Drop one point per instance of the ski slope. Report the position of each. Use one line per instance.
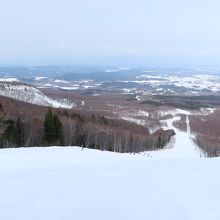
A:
(71, 183)
(181, 144)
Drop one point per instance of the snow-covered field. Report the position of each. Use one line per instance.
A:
(195, 82)
(68, 183)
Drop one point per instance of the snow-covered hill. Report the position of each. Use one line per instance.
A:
(30, 94)
(68, 183)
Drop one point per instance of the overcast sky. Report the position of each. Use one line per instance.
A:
(169, 33)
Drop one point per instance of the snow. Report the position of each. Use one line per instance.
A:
(135, 121)
(88, 86)
(196, 83)
(48, 84)
(37, 78)
(138, 97)
(128, 91)
(181, 144)
(30, 94)
(68, 183)
(61, 81)
(111, 70)
(67, 87)
(9, 80)
(143, 113)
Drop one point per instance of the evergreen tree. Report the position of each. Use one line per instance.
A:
(10, 132)
(49, 127)
(58, 129)
(19, 127)
(53, 129)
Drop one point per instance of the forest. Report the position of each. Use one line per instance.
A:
(28, 125)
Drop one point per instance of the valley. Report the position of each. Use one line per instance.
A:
(153, 109)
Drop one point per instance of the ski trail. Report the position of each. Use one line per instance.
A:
(180, 145)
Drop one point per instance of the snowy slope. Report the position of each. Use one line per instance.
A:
(181, 144)
(68, 183)
(30, 94)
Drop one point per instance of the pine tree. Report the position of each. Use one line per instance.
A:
(58, 129)
(53, 129)
(49, 127)
(19, 128)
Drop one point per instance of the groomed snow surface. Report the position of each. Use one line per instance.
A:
(181, 144)
(67, 183)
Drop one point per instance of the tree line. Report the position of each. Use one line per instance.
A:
(13, 130)
(72, 128)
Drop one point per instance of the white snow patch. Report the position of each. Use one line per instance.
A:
(88, 86)
(142, 113)
(61, 81)
(111, 70)
(48, 85)
(134, 120)
(138, 97)
(9, 80)
(37, 78)
(67, 87)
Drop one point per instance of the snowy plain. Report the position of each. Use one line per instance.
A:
(70, 183)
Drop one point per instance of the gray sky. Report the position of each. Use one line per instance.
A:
(163, 33)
